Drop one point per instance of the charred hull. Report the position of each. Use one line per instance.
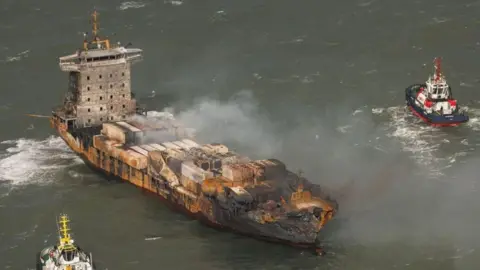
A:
(298, 230)
(454, 119)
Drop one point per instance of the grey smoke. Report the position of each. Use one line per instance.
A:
(384, 197)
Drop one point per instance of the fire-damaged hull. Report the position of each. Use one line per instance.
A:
(454, 119)
(285, 209)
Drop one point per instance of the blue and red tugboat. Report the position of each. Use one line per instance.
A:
(433, 101)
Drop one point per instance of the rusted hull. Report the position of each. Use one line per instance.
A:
(238, 225)
(198, 216)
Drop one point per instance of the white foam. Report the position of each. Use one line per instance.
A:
(29, 161)
(173, 2)
(131, 4)
(421, 140)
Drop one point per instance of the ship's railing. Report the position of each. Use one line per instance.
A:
(69, 66)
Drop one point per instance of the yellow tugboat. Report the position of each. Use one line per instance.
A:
(66, 255)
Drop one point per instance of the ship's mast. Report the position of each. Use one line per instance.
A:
(65, 238)
(95, 38)
(94, 24)
(438, 68)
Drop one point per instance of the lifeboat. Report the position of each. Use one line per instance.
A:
(433, 101)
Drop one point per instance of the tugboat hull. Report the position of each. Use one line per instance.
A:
(437, 120)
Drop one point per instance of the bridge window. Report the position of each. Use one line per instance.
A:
(111, 118)
(123, 106)
(123, 73)
(123, 95)
(111, 85)
(101, 118)
(123, 116)
(123, 84)
(110, 75)
(89, 120)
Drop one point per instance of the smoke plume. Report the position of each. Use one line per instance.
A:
(384, 197)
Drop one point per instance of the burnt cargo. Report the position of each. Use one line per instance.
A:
(190, 184)
(191, 171)
(273, 168)
(133, 158)
(238, 172)
(121, 134)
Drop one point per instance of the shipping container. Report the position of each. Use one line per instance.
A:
(237, 172)
(170, 145)
(139, 150)
(176, 153)
(190, 184)
(202, 163)
(241, 195)
(186, 192)
(158, 146)
(182, 145)
(137, 124)
(134, 135)
(99, 141)
(219, 148)
(133, 159)
(193, 172)
(190, 143)
(147, 147)
(127, 125)
(114, 132)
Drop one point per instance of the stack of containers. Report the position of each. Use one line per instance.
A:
(240, 174)
(122, 132)
(192, 176)
(134, 136)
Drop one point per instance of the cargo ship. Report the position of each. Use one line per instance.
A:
(101, 121)
(433, 101)
(66, 255)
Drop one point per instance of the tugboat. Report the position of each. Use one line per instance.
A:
(66, 255)
(433, 101)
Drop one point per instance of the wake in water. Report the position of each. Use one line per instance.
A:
(28, 161)
(433, 148)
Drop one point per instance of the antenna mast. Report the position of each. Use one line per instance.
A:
(438, 68)
(94, 24)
